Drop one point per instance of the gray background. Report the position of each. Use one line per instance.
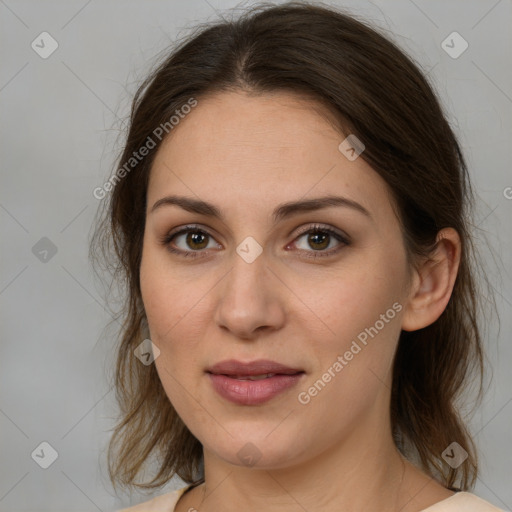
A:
(60, 125)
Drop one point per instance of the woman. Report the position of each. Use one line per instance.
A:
(290, 215)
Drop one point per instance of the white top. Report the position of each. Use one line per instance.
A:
(459, 502)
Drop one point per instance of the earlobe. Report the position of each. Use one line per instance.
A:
(433, 282)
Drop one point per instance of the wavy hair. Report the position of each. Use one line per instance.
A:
(379, 94)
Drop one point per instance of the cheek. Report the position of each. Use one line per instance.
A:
(352, 298)
(166, 306)
(360, 311)
(176, 318)
(154, 292)
(165, 296)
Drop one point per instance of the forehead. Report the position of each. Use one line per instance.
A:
(261, 150)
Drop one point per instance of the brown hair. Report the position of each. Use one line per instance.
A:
(382, 97)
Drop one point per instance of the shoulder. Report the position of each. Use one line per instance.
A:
(466, 501)
(163, 503)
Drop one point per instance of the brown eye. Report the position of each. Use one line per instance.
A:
(196, 239)
(320, 241)
(189, 241)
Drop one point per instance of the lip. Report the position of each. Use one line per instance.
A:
(223, 377)
(258, 367)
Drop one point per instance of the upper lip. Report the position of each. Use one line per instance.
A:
(258, 367)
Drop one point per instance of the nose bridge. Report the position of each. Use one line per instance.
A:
(248, 300)
(248, 263)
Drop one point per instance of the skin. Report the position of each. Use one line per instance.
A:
(247, 154)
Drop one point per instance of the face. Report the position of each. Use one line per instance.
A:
(319, 288)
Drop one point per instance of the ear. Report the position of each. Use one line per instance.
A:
(433, 282)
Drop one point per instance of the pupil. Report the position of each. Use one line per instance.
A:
(314, 239)
(197, 240)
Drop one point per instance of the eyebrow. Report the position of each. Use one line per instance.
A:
(281, 212)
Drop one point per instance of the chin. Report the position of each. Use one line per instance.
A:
(260, 453)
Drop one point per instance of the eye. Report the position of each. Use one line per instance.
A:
(323, 241)
(189, 241)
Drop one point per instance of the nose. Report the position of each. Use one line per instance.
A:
(251, 299)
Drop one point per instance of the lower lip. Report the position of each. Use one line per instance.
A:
(252, 392)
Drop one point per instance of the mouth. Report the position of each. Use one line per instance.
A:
(252, 383)
(252, 377)
(254, 370)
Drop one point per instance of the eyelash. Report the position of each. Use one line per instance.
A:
(315, 228)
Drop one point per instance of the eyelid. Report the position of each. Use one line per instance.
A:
(186, 227)
(167, 237)
(323, 227)
(340, 236)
